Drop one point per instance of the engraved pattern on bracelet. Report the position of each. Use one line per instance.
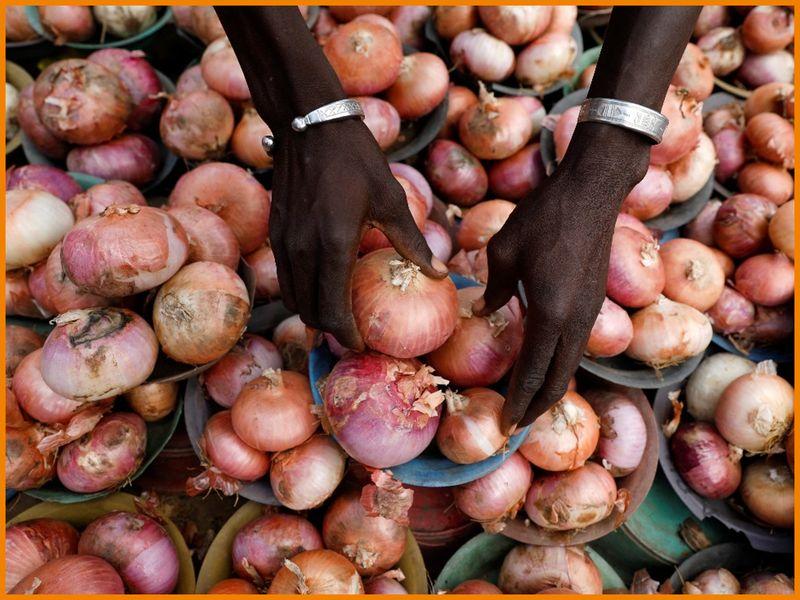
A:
(624, 114)
(335, 111)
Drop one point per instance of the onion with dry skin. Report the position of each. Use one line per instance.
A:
(685, 125)
(317, 572)
(532, 569)
(768, 492)
(222, 72)
(210, 237)
(741, 225)
(495, 128)
(708, 382)
(766, 279)
(724, 49)
(197, 125)
(20, 341)
(31, 544)
(546, 61)
(153, 401)
(482, 221)
(470, 430)
(693, 274)
(35, 222)
(770, 181)
(246, 140)
(483, 55)
(781, 229)
(694, 73)
(691, 172)
(772, 138)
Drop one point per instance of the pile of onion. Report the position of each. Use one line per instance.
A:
(305, 476)
(533, 569)
(495, 128)
(705, 461)
(623, 434)
(470, 430)
(31, 544)
(317, 572)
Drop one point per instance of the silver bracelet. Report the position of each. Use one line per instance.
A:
(335, 111)
(627, 115)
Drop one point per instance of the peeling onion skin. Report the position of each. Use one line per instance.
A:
(210, 237)
(31, 544)
(322, 572)
(74, 575)
(532, 569)
(197, 125)
(27, 467)
(30, 123)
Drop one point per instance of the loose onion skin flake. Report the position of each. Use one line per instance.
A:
(31, 544)
(470, 430)
(74, 575)
(533, 569)
(317, 572)
(705, 460)
(30, 457)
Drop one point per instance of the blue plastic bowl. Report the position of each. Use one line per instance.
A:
(429, 469)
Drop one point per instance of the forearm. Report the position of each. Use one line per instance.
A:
(286, 71)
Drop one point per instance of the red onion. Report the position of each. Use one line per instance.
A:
(493, 342)
(518, 175)
(137, 547)
(20, 341)
(635, 272)
(210, 238)
(206, 24)
(693, 274)
(42, 177)
(563, 19)
(706, 384)
(455, 173)
(124, 251)
(233, 194)
(18, 28)
(546, 61)
(767, 583)
(611, 333)
(770, 97)
(434, 519)
(651, 196)
(564, 437)
(623, 434)
(261, 547)
(532, 569)
(476, 586)
(420, 86)
(387, 428)
(31, 544)
(197, 125)
(772, 325)
(694, 73)
(387, 583)
(234, 585)
(416, 179)
(246, 140)
(138, 77)
(770, 181)
(729, 145)
(222, 72)
(712, 581)
(35, 398)
(381, 119)
(724, 49)
(373, 544)
(99, 197)
(685, 125)
(535, 109)
(781, 229)
(564, 130)
(438, 240)
(229, 460)
(692, 171)
(295, 341)
(472, 264)
(35, 222)
(375, 239)
(30, 123)
(741, 225)
(755, 411)
(106, 457)
(701, 228)
(766, 279)
(516, 24)
(72, 574)
(631, 222)
(72, 366)
(730, 115)
(496, 497)
(317, 572)
(398, 310)
(767, 28)
(710, 17)
(20, 300)
(305, 476)
(131, 157)
(459, 99)
(67, 23)
(772, 138)
(262, 261)
(760, 69)
(153, 401)
(495, 128)
(705, 461)
(30, 456)
(190, 80)
(410, 24)
(732, 312)
(470, 430)
(482, 55)
(482, 221)
(452, 20)
(768, 492)
(667, 333)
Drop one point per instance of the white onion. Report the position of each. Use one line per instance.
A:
(691, 172)
(546, 61)
(707, 383)
(125, 21)
(35, 222)
(482, 54)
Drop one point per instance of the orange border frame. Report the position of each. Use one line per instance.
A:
(384, 3)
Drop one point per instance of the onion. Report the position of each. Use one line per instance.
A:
(206, 24)
(768, 492)
(197, 125)
(518, 175)
(81, 102)
(724, 49)
(482, 221)
(305, 476)
(455, 173)
(246, 140)
(449, 21)
(770, 97)
(760, 69)
(229, 460)
(294, 340)
(767, 28)
(564, 437)
(766, 279)
(42, 177)
(767, 583)
(234, 585)
(30, 123)
(563, 19)
(516, 24)
(710, 18)
(125, 21)
(124, 251)
(459, 99)
(651, 196)
(397, 309)
(222, 72)
(667, 333)
(210, 238)
(731, 152)
(705, 461)
(420, 86)
(564, 130)
(73, 367)
(781, 229)
(535, 110)
(99, 197)
(742, 223)
(701, 228)
(691, 172)
(770, 181)
(317, 572)
(233, 194)
(482, 55)
(36, 398)
(532, 569)
(132, 157)
(190, 80)
(398, 417)
(416, 179)
(725, 261)
(772, 138)
(67, 23)
(705, 386)
(35, 222)
(712, 581)
(153, 401)
(611, 333)
(623, 434)
(546, 61)
(494, 498)
(261, 547)
(438, 240)
(470, 430)
(772, 325)
(72, 574)
(631, 222)
(574, 499)
(380, 20)
(375, 239)
(381, 119)
(755, 411)
(37, 285)
(20, 301)
(635, 272)
(365, 56)
(410, 24)
(246, 361)
(693, 274)
(694, 73)
(473, 264)
(387, 583)
(729, 116)
(18, 28)
(31, 544)
(495, 128)
(137, 547)
(732, 312)
(262, 261)
(493, 343)
(324, 26)
(136, 74)
(476, 586)
(30, 457)
(62, 294)
(20, 341)
(106, 457)
(685, 125)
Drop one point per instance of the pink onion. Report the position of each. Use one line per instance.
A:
(683, 131)
(768, 492)
(482, 221)
(262, 261)
(190, 80)
(631, 222)
(210, 238)
(30, 123)
(317, 572)
(635, 272)
(476, 586)
(246, 140)
(234, 585)
(72, 366)
(710, 17)
(705, 461)
(532, 569)
(380, 20)
(710, 379)
(724, 49)
(37, 285)
(732, 312)
(420, 86)
(518, 175)
(767, 583)
(35, 222)
(760, 69)
(770, 181)
(35, 398)
(563, 19)
(197, 125)
(72, 574)
(495, 128)
(766, 279)
(386, 428)
(20, 300)
(742, 223)
(781, 229)
(452, 20)
(651, 196)
(99, 197)
(42, 177)
(546, 61)
(438, 239)
(222, 72)
(623, 434)
(381, 119)
(730, 147)
(692, 273)
(482, 55)
(20, 341)
(31, 544)
(131, 157)
(770, 97)
(455, 173)
(410, 24)
(694, 73)
(564, 130)
(67, 23)
(137, 547)
(18, 29)
(375, 239)
(701, 228)
(470, 430)
(416, 179)
(692, 171)
(768, 28)
(725, 261)
(516, 24)
(772, 138)
(387, 583)
(611, 333)
(305, 476)
(459, 99)
(730, 115)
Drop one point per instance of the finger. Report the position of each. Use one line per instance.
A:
(277, 243)
(335, 289)
(409, 242)
(304, 258)
(502, 284)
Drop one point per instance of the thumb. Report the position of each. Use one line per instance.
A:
(500, 288)
(409, 242)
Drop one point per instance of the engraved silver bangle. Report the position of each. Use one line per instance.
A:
(335, 111)
(627, 115)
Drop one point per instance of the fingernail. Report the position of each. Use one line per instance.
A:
(478, 305)
(438, 265)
